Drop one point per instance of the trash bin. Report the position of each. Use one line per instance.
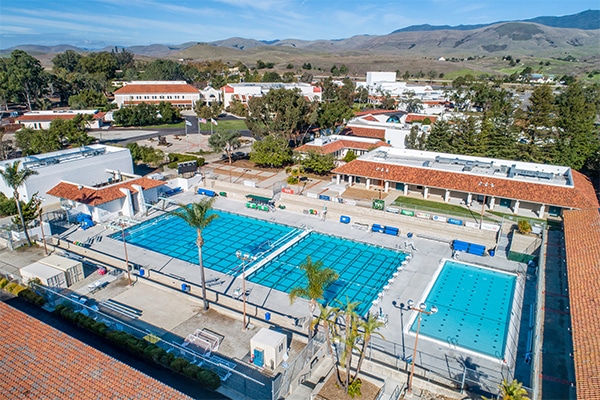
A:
(409, 234)
(267, 316)
(492, 252)
(184, 287)
(223, 194)
(142, 272)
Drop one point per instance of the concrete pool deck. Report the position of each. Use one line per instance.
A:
(411, 283)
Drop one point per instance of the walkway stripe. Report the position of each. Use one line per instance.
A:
(557, 380)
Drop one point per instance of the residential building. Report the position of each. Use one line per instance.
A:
(43, 119)
(91, 165)
(340, 145)
(508, 186)
(178, 93)
(378, 83)
(245, 91)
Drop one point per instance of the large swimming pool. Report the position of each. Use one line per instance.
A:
(474, 308)
(363, 269)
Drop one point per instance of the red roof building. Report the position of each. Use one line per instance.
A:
(340, 145)
(178, 93)
(43, 119)
(40, 362)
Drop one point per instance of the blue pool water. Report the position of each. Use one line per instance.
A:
(363, 269)
(474, 308)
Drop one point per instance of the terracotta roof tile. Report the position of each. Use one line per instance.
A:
(419, 118)
(375, 112)
(581, 196)
(52, 117)
(582, 245)
(365, 132)
(40, 362)
(337, 145)
(140, 88)
(96, 196)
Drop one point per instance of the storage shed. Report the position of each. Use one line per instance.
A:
(47, 275)
(268, 348)
(73, 269)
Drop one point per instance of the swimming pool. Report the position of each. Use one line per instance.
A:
(474, 306)
(363, 269)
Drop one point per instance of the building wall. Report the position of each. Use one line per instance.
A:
(86, 171)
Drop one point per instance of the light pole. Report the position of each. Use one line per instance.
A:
(401, 307)
(244, 257)
(421, 309)
(126, 257)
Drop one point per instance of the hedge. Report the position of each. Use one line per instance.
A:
(22, 292)
(150, 351)
(175, 158)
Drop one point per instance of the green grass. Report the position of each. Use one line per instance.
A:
(437, 207)
(516, 218)
(163, 126)
(235, 125)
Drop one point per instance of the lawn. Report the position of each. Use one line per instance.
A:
(412, 203)
(229, 124)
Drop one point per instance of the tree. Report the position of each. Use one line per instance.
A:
(440, 137)
(88, 99)
(227, 141)
(26, 79)
(320, 164)
(31, 210)
(540, 117)
(32, 141)
(369, 326)
(67, 60)
(411, 103)
(197, 216)
(414, 140)
(327, 317)
(362, 95)
(236, 107)
(577, 140)
(14, 179)
(164, 70)
(331, 115)
(512, 391)
(272, 151)
(317, 280)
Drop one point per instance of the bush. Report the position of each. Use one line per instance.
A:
(10, 287)
(209, 379)
(179, 364)
(32, 297)
(3, 283)
(175, 158)
(523, 226)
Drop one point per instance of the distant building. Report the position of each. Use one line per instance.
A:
(340, 145)
(378, 83)
(210, 95)
(43, 119)
(245, 91)
(178, 93)
(90, 165)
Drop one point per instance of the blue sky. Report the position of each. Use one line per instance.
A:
(96, 23)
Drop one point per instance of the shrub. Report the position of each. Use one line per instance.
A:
(524, 226)
(10, 287)
(179, 364)
(175, 158)
(354, 388)
(3, 283)
(32, 297)
(209, 379)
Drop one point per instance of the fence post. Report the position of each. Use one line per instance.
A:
(462, 383)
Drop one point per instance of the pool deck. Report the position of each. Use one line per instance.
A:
(411, 283)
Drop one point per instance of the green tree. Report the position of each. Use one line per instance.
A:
(512, 391)
(227, 141)
(411, 103)
(327, 318)
(25, 80)
(32, 141)
(350, 155)
(102, 63)
(238, 108)
(197, 215)
(440, 137)
(362, 95)
(271, 76)
(332, 115)
(467, 138)
(88, 99)
(67, 60)
(577, 139)
(271, 151)
(317, 279)
(164, 70)
(30, 210)
(540, 117)
(14, 179)
(320, 164)
(415, 140)
(369, 327)
(145, 154)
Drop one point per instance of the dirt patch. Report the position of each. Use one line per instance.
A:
(360, 194)
(332, 391)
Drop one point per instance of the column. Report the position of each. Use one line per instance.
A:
(446, 196)
(337, 179)
(368, 183)
(469, 199)
(516, 207)
(406, 189)
(542, 211)
(425, 192)
(492, 202)
(387, 187)
(350, 180)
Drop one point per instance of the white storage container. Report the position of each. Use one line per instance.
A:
(268, 348)
(73, 269)
(47, 275)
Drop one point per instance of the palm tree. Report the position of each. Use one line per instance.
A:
(327, 316)
(196, 215)
(15, 178)
(512, 390)
(350, 338)
(369, 327)
(318, 278)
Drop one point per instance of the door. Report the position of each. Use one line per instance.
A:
(259, 357)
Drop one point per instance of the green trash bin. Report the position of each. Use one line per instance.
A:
(224, 194)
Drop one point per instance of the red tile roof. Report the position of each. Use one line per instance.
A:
(375, 112)
(581, 196)
(40, 362)
(141, 88)
(582, 245)
(96, 196)
(228, 89)
(365, 132)
(419, 118)
(337, 145)
(370, 118)
(52, 117)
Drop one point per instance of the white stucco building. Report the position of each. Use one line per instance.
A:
(245, 91)
(89, 165)
(178, 93)
(43, 119)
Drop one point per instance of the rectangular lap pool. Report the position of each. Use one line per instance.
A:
(363, 269)
(474, 308)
